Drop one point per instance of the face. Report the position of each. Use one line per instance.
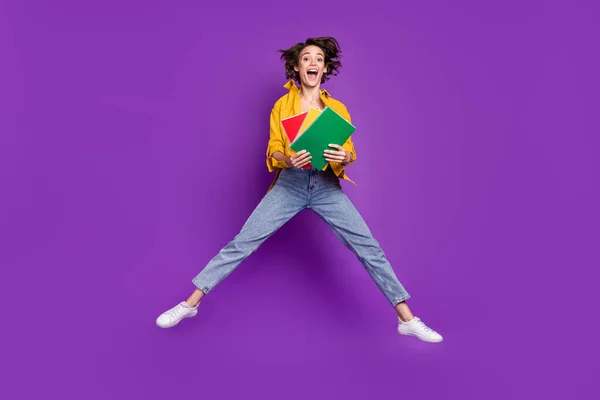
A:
(311, 66)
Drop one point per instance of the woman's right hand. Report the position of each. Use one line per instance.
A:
(300, 159)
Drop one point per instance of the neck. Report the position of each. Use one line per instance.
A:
(311, 93)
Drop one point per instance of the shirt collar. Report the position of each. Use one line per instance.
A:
(291, 86)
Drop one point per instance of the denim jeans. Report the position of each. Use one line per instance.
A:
(294, 191)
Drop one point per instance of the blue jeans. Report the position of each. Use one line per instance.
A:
(294, 191)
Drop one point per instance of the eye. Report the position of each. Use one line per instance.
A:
(320, 60)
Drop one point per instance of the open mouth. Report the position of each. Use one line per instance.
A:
(312, 73)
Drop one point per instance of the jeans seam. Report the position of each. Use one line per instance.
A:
(222, 277)
(349, 244)
(395, 302)
(400, 300)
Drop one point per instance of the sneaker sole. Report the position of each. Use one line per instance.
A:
(419, 337)
(175, 324)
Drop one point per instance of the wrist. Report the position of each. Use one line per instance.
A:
(347, 158)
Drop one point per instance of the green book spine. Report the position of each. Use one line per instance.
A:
(329, 127)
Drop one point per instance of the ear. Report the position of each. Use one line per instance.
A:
(296, 68)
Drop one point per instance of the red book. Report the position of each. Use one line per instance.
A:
(291, 125)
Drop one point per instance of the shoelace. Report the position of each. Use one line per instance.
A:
(425, 327)
(175, 311)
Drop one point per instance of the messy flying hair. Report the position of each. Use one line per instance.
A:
(330, 47)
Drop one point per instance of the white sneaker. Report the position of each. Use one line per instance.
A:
(173, 316)
(416, 327)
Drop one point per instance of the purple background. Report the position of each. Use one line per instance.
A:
(132, 145)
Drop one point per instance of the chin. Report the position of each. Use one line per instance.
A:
(311, 83)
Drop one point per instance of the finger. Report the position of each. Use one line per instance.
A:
(337, 146)
(304, 157)
(298, 154)
(306, 161)
(303, 163)
(335, 155)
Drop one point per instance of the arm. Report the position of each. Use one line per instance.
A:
(348, 146)
(279, 156)
(276, 158)
(350, 153)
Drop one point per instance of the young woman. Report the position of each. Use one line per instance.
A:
(294, 189)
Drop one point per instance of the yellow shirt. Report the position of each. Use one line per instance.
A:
(288, 106)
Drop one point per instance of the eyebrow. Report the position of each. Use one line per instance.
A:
(308, 52)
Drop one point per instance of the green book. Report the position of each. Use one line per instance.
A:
(328, 127)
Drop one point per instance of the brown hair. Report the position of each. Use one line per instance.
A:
(330, 47)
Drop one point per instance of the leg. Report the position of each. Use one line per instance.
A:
(339, 213)
(344, 219)
(277, 207)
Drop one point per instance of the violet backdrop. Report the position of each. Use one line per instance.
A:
(132, 148)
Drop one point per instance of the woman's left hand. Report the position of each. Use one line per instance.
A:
(340, 155)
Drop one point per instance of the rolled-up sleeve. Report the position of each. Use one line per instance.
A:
(275, 142)
(349, 145)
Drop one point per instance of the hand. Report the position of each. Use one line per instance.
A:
(300, 159)
(340, 155)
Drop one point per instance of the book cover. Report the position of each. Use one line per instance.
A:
(298, 123)
(328, 127)
(291, 125)
(313, 114)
